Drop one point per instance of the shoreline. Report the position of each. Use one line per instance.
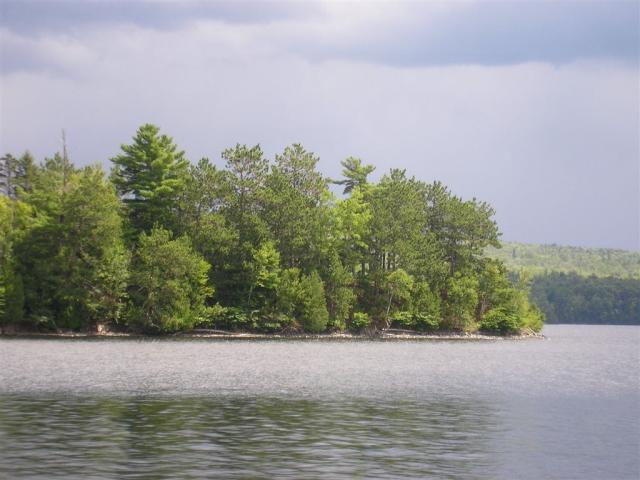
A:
(222, 335)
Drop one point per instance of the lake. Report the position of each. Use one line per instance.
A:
(566, 408)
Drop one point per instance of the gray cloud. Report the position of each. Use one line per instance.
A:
(554, 146)
(494, 33)
(402, 34)
(38, 16)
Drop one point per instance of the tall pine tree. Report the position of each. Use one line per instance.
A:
(150, 174)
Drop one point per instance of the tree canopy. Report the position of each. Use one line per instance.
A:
(255, 244)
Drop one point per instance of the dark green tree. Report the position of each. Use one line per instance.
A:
(168, 286)
(93, 259)
(313, 315)
(296, 209)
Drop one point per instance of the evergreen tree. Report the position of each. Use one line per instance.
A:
(150, 175)
(93, 258)
(355, 174)
(314, 315)
(296, 209)
(168, 286)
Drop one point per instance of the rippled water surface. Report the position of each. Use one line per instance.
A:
(567, 407)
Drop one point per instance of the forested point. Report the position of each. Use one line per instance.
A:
(577, 285)
(163, 245)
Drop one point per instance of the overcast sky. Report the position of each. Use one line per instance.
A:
(533, 107)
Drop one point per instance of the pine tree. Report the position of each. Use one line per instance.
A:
(150, 175)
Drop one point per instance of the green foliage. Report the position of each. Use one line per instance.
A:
(150, 174)
(339, 292)
(3, 301)
(302, 297)
(500, 321)
(265, 276)
(571, 298)
(578, 285)
(355, 174)
(398, 286)
(289, 292)
(540, 259)
(231, 318)
(18, 174)
(70, 263)
(425, 307)
(460, 302)
(350, 227)
(295, 208)
(252, 246)
(360, 321)
(313, 313)
(168, 283)
(92, 253)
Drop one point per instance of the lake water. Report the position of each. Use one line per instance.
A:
(563, 408)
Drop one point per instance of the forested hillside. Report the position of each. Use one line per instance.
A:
(578, 285)
(537, 259)
(571, 298)
(164, 244)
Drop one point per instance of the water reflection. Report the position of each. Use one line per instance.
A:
(241, 437)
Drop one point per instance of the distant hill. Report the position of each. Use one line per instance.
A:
(578, 285)
(538, 259)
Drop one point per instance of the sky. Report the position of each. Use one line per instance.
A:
(532, 107)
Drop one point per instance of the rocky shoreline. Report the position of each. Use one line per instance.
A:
(227, 335)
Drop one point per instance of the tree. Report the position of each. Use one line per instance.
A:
(246, 170)
(71, 262)
(150, 175)
(289, 292)
(313, 316)
(93, 259)
(339, 292)
(201, 217)
(350, 229)
(398, 286)
(425, 307)
(463, 228)
(265, 274)
(24, 174)
(36, 250)
(355, 174)
(168, 286)
(460, 302)
(296, 209)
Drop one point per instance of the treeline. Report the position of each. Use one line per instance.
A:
(571, 298)
(163, 245)
(539, 259)
(577, 285)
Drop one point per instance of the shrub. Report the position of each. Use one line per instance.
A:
(403, 319)
(500, 321)
(426, 321)
(360, 320)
